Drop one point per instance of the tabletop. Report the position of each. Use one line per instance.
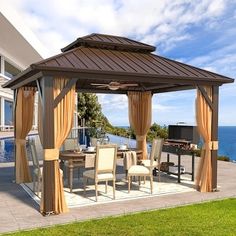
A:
(75, 155)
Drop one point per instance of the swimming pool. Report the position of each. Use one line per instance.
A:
(6, 150)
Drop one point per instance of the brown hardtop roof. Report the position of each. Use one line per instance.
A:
(104, 65)
(109, 42)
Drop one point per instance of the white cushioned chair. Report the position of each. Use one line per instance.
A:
(154, 161)
(105, 167)
(145, 170)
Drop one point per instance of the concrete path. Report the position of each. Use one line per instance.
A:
(18, 211)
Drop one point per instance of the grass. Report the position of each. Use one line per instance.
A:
(212, 218)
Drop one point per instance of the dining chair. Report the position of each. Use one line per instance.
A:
(37, 170)
(142, 170)
(154, 162)
(105, 167)
(70, 145)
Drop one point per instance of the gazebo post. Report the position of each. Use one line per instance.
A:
(214, 134)
(47, 139)
(14, 123)
(47, 112)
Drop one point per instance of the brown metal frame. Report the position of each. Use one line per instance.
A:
(214, 134)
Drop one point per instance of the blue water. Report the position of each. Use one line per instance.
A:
(227, 144)
(227, 141)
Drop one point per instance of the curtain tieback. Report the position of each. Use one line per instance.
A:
(20, 141)
(140, 137)
(51, 154)
(212, 145)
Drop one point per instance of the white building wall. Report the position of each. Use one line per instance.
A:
(19, 51)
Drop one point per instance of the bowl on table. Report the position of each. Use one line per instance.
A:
(83, 147)
(91, 149)
(123, 147)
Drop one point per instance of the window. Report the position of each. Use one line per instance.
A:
(8, 106)
(10, 70)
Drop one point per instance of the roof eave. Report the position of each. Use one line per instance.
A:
(123, 76)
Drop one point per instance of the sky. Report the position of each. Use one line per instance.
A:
(197, 32)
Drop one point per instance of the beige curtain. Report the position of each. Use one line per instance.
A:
(140, 117)
(53, 200)
(204, 120)
(24, 113)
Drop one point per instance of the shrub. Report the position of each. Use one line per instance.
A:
(223, 158)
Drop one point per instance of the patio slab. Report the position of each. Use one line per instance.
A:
(19, 211)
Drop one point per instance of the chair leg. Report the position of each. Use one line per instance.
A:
(114, 189)
(139, 182)
(144, 179)
(96, 190)
(34, 183)
(151, 183)
(106, 187)
(85, 180)
(129, 180)
(71, 179)
(159, 176)
(39, 181)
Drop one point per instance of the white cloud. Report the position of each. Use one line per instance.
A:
(162, 22)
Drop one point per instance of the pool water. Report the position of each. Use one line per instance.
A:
(6, 150)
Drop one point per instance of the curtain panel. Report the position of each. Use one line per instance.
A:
(24, 114)
(140, 117)
(204, 124)
(53, 199)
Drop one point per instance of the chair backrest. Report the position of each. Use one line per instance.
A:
(34, 155)
(70, 144)
(156, 151)
(106, 156)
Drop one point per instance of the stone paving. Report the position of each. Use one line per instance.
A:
(19, 212)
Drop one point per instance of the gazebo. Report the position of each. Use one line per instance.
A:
(100, 63)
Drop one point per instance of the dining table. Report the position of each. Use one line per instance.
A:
(76, 158)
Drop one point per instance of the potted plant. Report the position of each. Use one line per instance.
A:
(93, 135)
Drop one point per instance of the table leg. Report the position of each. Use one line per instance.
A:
(179, 168)
(168, 157)
(71, 178)
(193, 160)
(154, 172)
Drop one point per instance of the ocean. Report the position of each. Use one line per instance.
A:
(227, 141)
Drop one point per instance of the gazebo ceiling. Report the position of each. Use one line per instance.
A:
(103, 59)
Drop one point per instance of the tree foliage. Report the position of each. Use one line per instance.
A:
(157, 131)
(90, 110)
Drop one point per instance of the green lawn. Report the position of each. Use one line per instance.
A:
(213, 218)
